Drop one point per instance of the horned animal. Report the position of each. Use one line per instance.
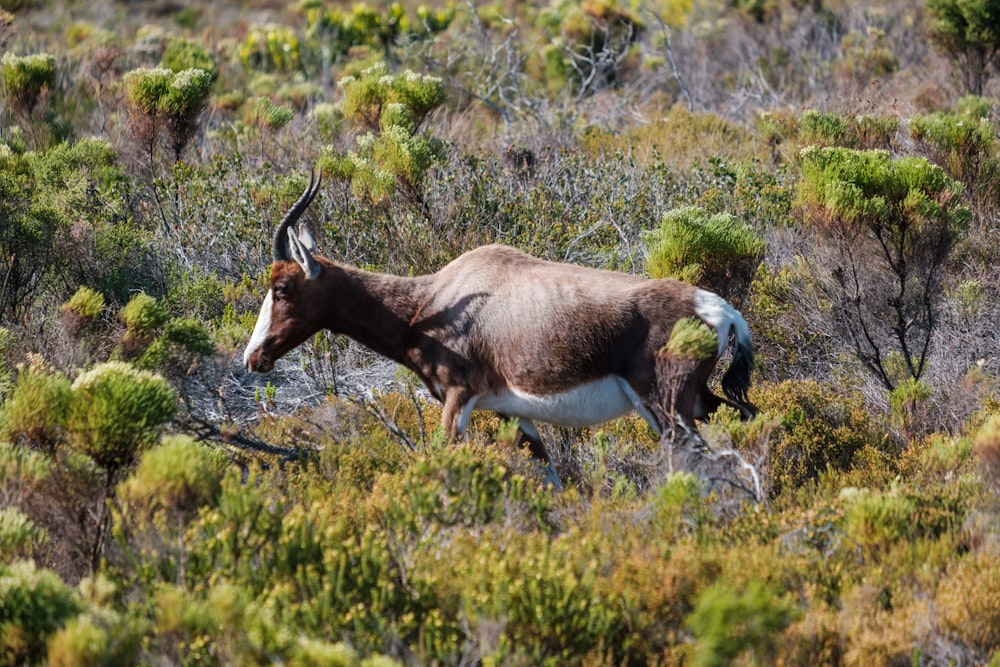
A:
(497, 329)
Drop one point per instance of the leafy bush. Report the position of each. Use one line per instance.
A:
(116, 411)
(103, 639)
(271, 48)
(174, 99)
(17, 532)
(889, 225)
(176, 476)
(391, 157)
(820, 429)
(81, 310)
(34, 604)
(969, 34)
(968, 601)
(181, 54)
(26, 78)
(964, 147)
(727, 623)
(35, 413)
(692, 339)
(717, 252)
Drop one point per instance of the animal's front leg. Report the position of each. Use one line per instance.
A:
(459, 403)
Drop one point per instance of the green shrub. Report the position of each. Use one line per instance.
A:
(265, 114)
(727, 622)
(176, 476)
(143, 315)
(884, 229)
(271, 48)
(717, 252)
(819, 429)
(81, 310)
(181, 54)
(964, 147)
(860, 132)
(173, 99)
(35, 413)
(26, 77)
(34, 604)
(692, 339)
(391, 157)
(17, 533)
(101, 639)
(968, 601)
(987, 448)
(969, 34)
(116, 411)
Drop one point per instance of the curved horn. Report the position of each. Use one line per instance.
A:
(279, 246)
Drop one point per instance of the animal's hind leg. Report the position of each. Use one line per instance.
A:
(528, 435)
(708, 402)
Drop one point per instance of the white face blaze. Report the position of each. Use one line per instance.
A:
(260, 330)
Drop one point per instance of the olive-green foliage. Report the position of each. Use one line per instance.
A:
(116, 411)
(338, 31)
(173, 98)
(368, 93)
(181, 54)
(81, 310)
(103, 638)
(85, 302)
(727, 622)
(35, 412)
(964, 146)
(143, 315)
(271, 48)
(820, 429)
(968, 32)
(890, 224)
(717, 252)
(266, 114)
(392, 155)
(17, 532)
(34, 604)
(692, 339)
(968, 601)
(860, 132)
(26, 77)
(987, 447)
(176, 476)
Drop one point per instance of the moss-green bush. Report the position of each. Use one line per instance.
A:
(116, 411)
(101, 639)
(34, 604)
(717, 252)
(727, 622)
(36, 411)
(819, 429)
(692, 339)
(26, 77)
(175, 476)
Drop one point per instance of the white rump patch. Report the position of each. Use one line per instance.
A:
(260, 330)
(585, 405)
(718, 314)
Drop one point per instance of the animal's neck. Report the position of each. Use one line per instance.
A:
(375, 309)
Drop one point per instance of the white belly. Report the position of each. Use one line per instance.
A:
(586, 405)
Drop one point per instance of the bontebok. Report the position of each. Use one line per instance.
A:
(499, 330)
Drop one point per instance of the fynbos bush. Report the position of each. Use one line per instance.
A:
(116, 411)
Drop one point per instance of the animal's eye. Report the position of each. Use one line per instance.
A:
(280, 291)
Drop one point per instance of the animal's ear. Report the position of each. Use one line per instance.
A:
(307, 239)
(302, 254)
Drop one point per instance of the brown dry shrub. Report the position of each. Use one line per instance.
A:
(968, 602)
(987, 448)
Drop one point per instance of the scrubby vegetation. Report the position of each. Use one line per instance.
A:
(830, 166)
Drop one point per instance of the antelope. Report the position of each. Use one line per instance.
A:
(497, 329)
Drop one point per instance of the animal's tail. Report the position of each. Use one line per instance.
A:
(726, 320)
